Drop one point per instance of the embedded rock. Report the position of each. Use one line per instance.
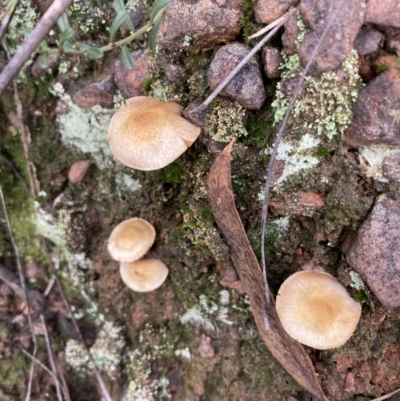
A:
(368, 41)
(247, 87)
(271, 59)
(338, 42)
(376, 117)
(101, 93)
(78, 171)
(298, 203)
(289, 37)
(376, 252)
(198, 25)
(130, 82)
(391, 167)
(269, 10)
(383, 12)
(174, 73)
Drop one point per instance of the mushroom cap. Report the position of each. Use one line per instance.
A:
(147, 134)
(144, 275)
(316, 310)
(131, 239)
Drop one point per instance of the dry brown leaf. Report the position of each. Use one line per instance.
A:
(286, 350)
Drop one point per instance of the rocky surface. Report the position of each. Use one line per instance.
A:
(130, 82)
(338, 42)
(101, 93)
(271, 59)
(383, 12)
(269, 10)
(376, 252)
(247, 87)
(199, 25)
(289, 37)
(376, 112)
(368, 41)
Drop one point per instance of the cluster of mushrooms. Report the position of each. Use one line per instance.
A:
(147, 134)
(127, 244)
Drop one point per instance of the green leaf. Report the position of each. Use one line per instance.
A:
(120, 19)
(157, 10)
(63, 23)
(68, 47)
(127, 59)
(152, 42)
(119, 5)
(43, 61)
(95, 53)
(67, 36)
(83, 46)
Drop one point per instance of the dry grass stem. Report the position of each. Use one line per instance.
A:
(51, 357)
(23, 286)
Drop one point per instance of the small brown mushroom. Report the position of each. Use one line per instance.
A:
(131, 239)
(147, 134)
(316, 310)
(144, 275)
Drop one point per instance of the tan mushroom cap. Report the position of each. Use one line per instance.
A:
(147, 134)
(131, 239)
(144, 275)
(316, 310)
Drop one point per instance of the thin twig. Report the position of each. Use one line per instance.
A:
(7, 15)
(42, 365)
(51, 358)
(25, 135)
(22, 280)
(275, 27)
(102, 385)
(277, 141)
(39, 32)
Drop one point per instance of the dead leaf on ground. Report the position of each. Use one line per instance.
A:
(286, 350)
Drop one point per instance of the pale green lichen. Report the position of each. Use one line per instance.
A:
(138, 368)
(106, 351)
(325, 105)
(297, 155)
(226, 121)
(207, 313)
(356, 283)
(85, 130)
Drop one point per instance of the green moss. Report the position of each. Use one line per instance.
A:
(172, 173)
(260, 127)
(321, 152)
(381, 68)
(147, 84)
(10, 372)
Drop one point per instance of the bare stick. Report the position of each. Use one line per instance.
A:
(275, 25)
(22, 280)
(51, 358)
(277, 141)
(38, 33)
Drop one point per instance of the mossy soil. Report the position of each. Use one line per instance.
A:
(163, 354)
